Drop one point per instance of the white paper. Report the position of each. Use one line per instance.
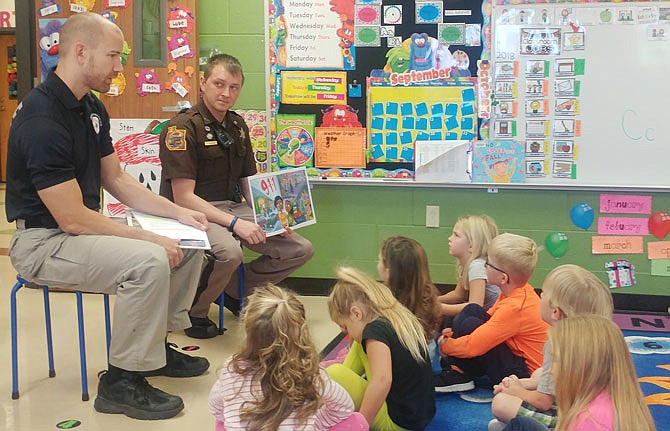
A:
(442, 161)
(188, 236)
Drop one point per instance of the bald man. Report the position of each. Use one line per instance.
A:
(60, 153)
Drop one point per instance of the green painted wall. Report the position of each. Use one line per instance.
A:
(236, 27)
(353, 219)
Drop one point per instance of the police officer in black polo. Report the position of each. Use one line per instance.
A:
(206, 156)
(59, 154)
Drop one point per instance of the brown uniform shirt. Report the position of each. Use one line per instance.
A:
(189, 149)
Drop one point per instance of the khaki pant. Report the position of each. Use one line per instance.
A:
(151, 299)
(280, 256)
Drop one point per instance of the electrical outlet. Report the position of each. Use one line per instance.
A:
(432, 216)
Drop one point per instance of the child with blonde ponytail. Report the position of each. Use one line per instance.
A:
(389, 349)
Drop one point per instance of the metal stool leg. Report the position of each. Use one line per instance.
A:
(240, 280)
(108, 323)
(20, 282)
(50, 342)
(82, 346)
(222, 298)
(15, 361)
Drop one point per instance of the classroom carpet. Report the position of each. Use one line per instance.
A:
(647, 338)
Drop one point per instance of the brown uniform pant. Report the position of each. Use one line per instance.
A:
(280, 256)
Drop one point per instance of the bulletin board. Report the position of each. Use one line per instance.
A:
(585, 87)
(400, 115)
(367, 41)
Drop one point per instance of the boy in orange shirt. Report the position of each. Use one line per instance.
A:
(509, 337)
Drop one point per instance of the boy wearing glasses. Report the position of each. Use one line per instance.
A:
(509, 337)
(206, 155)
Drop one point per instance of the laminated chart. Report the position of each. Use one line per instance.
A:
(400, 115)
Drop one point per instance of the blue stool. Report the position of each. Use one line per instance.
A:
(240, 275)
(20, 282)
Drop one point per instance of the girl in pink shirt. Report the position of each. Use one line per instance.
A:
(274, 382)
(596, 385)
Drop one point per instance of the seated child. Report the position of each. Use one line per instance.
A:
(403, 266)
(469, 244)
(389, 348)
(274, 382)
(596, 385)
(568, 291)
(509, 337)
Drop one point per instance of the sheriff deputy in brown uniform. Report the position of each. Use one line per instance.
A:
(206, 156)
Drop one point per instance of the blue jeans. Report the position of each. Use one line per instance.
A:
(521, 423)
(497, 363)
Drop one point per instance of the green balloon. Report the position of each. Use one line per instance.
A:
(557, 244)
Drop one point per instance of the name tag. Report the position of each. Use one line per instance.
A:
(210, 143)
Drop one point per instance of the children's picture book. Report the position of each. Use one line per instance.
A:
(498, 161)
(282, 199)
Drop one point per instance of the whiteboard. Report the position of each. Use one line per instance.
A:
(624, 89)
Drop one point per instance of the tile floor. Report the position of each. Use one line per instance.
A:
(44, 401)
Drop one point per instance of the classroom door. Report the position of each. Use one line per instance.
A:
(131, 95)
(7, 104)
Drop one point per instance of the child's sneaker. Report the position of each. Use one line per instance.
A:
(496, 425)
(452, 381)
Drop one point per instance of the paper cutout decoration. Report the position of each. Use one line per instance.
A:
(49, 7)
(616, 244)
(110, 16)
(367, 36)
(451, 33)
(660, 267)
(622, 226)
(581, 215)
(180, 18)
(393, 14)
(625, 204)
(180, 46)
(620, 273)
(125, 53)
(658, 250)
(118, 85)
(429, 12)
(79, 6)
(49, 44)
(340, 116)
(367, 15)
(147, 82)
(180, 82)
(116, 3)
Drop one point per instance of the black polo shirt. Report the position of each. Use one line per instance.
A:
(55, 138)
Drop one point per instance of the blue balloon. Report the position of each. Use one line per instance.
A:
(581, 215)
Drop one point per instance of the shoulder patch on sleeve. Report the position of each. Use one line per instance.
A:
(175, 139)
